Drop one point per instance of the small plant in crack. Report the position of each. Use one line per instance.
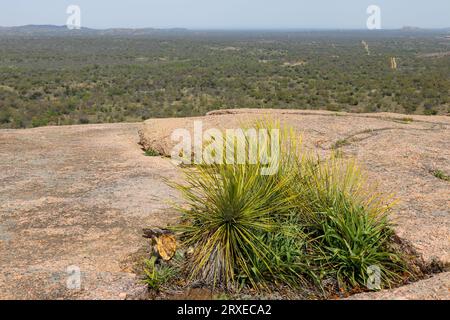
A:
(151, 153)
(340, 143)
(158, 274)
(440, 175)
(407, 120)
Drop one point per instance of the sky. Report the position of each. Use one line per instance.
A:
(228, 14)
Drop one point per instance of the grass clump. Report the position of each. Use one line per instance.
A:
(151, 153)
(440, 175)
(313, 220)
(347, 219)
(156, 275)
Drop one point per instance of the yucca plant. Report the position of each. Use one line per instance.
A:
(231, 208)
(311, 219)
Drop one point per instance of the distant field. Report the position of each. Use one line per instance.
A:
(91, 78)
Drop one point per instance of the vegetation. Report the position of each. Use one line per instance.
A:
(312, 222)
(227, 228)
(71, 79)
(407, 120)
(440, 175)
(348, 220)
(151, 153)
(156, 275)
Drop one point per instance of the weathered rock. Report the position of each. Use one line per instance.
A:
(77, 196)
(80, 195)
(434, 288)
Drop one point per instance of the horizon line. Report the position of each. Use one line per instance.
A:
(240, 28)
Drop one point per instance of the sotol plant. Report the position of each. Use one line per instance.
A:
(311, 220)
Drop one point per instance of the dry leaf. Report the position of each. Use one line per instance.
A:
(166, 246)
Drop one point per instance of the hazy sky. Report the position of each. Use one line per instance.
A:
(228, 14)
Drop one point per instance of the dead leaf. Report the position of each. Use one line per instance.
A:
(166, 245)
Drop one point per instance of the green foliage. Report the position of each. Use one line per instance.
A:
(232, 206)
(69, 80)
(440, 175)
(151, 153)
(348, 220)
(156, 275)
(39, 122)
(310, 221)
(407, 120)
(351, 241)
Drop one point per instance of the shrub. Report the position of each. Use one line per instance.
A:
(151, 153)
(39, 122)
(440, 175)
(231, 208)
(351, 241)
(347, 219)
(156, 275)
(313, 219)
(83, 120)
